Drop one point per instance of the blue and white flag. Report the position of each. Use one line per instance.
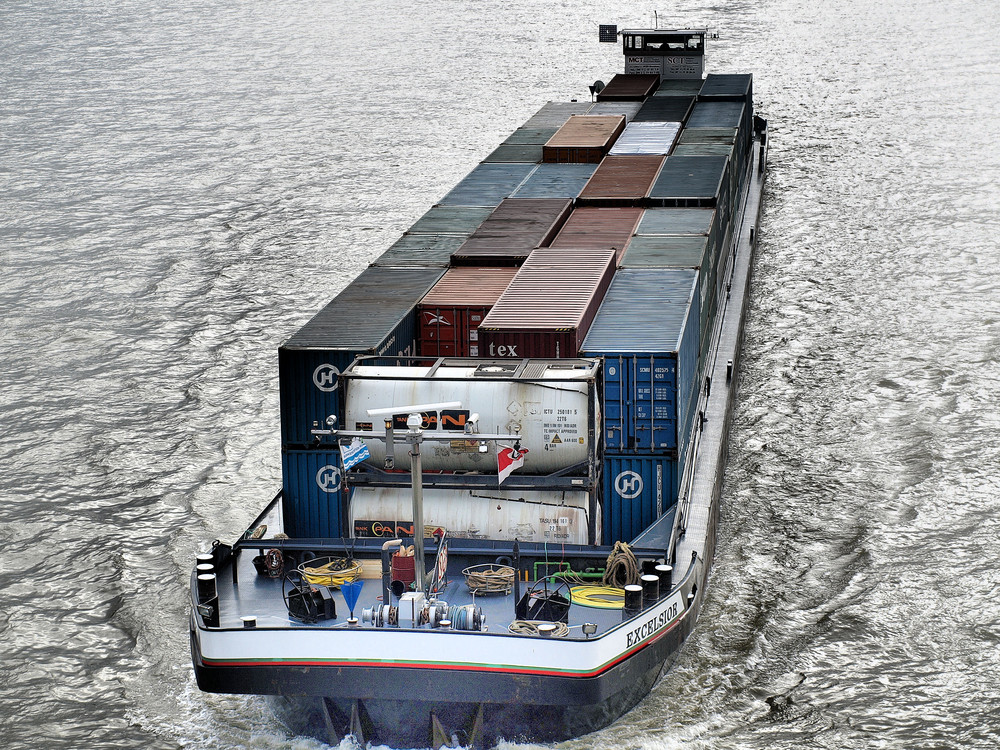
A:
(354, 453)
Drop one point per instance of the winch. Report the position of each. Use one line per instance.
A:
(415, 611)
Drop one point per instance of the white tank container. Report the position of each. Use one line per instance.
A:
(555, 418)
(475, 514)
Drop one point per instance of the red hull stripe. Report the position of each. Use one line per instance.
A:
(450, 666)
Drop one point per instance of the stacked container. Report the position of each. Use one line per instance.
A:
(681, 238)
(523, 145)
(679, 87)
(488, 184)
(433, 238)
(727, 87)
(374, 314)
(314, 495)
(647, 331)
(637, 489)
(629, 109)
(548, 307)
(629, 87)
(450, 315)
(555, 114)
(646, 139)
(599, 228)
(457, 221)
(420, 251)
(510, 233)
(666, 109)
(621, 181)
(691, 182)
(731, 88)
(555, 181)
(735, 115)
(714, 119)
(583, 139)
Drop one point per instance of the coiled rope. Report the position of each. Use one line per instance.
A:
(621, 568)
(489, 579)
(530, 627)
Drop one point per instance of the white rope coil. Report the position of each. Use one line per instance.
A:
(530, 627)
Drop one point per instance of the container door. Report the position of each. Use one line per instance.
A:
(470, 331)
(439, 324)
(308, 382)
(637, 491)
(616, 406)
(655, 396)
(312, 493)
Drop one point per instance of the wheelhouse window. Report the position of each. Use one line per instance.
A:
(665, 43)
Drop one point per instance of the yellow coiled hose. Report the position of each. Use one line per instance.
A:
(600, 597)
(334, 574)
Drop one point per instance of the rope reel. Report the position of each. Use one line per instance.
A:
(381, 617)
(467, 617)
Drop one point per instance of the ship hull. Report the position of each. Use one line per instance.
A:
(319, 701)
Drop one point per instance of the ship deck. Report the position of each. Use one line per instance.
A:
(249, 594)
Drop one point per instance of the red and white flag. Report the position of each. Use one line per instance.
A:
(509, 459)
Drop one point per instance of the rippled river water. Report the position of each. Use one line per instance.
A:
(183, 184)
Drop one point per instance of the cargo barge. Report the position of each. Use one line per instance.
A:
(503, 443)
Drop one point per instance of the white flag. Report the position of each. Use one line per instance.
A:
(509, 459)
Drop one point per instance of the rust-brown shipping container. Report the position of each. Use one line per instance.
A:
(515, 228)
(584, 139)
(599, 227)
(621, 181)
(549, 306)
(448, 318)
(629, 87)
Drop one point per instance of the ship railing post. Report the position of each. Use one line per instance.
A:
(414, 437)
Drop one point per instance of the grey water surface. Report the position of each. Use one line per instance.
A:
(184, 183)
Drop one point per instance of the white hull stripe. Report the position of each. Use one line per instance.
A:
(440, 650)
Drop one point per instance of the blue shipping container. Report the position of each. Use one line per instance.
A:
(313, 493)
(717, 114)
(637, 491)
(488, 184)
(727, 87)
(420, 251)
(691, 181)
(647, 331)
(556, 181)
(374, 314)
